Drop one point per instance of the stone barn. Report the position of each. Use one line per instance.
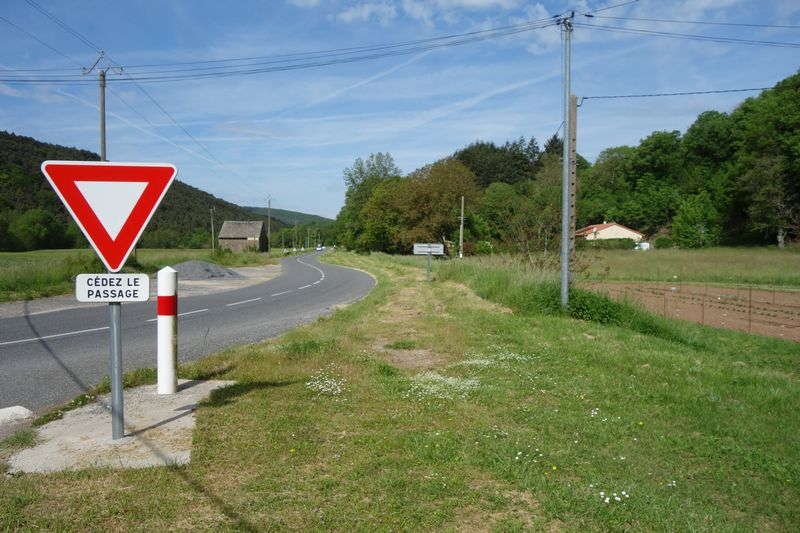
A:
(238, 235)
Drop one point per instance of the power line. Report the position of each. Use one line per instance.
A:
(35, 38)
(500, 30)
(705, 22)
(684, 93)
(613, 7)
(64, 25)
(263, 67)
(688, 36)
(90, 44)
(250, 71)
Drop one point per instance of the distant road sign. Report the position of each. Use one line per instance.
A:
(428, 248)
(104, 288)
(111, 202)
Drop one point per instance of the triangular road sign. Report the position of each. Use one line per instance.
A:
(111, 202)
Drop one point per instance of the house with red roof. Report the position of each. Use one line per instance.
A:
(608, 230)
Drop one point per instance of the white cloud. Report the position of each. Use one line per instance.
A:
(304, 3)
(383, 12)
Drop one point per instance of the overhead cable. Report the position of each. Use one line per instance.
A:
(683, 93)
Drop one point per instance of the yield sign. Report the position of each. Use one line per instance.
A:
(111, 202)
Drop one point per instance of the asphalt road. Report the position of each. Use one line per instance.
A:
(49, 358)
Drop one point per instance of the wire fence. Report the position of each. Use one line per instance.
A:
(752, 309)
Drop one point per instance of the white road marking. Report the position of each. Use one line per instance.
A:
(243, 302)
(279, 293)
(181, 314)
(303, 287)
(314, 267)
(193, 312)
(69, 333)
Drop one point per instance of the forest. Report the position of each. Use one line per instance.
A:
(32, 217)
(730, 179)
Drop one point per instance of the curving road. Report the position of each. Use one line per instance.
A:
(49, 358)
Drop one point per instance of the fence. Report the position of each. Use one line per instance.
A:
(755, 310)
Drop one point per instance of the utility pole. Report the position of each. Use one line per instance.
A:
(114, 308)
(269, 224)
(573, 175)
(566, 24)
(461, 231)
(213, 244)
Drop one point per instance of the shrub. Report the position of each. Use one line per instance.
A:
(605, 244)
(663, 242)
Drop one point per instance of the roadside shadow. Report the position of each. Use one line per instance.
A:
(239, 521)
(227, 395)
(184, 411)
(44, 344)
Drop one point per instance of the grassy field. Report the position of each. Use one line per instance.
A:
(425, 407)
(766, 266)
(28, 275)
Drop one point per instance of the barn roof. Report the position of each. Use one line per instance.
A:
(237, 229)
(597, 227)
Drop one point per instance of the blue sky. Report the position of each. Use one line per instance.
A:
(290, 134)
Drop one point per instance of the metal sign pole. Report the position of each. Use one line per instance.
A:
(429, 263)
(114, 308)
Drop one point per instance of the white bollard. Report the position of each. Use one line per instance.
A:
(167, 330)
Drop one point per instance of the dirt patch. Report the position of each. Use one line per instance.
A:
(521, 507)
(764, 312)
(415, 358)
(403, 307)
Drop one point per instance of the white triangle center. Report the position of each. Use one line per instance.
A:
(112, 201)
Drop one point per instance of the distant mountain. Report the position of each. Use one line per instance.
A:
(290, 218)
(32, 216)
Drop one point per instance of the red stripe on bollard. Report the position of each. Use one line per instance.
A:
(167, 305)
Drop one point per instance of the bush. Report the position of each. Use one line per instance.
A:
(663, 242)
(483, 248)
(606, 244)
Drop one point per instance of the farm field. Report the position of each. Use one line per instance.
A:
(426, 407)
(28, 275)
(757, 266)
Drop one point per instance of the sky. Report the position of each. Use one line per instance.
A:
(290, 134)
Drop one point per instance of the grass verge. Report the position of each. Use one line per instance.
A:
(491, 420)
(29, 275)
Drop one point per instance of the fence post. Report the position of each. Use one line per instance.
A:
(703, 313)
(167, 306)
(750, 309)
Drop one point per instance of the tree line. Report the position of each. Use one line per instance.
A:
(32, 217)
(731, 178)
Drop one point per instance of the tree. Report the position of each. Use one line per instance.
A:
(431, 201)
(491, 163)
(360, 180)
(554, 146)
(696, 224)
(379, 165)
(35, 229)
(771, 207)
(768, 159)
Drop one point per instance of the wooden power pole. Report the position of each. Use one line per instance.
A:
(573, 175)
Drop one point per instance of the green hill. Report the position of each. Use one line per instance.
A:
(32, 217)
(291, 218)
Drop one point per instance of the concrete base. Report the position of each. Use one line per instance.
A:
(14, 414)
(158, 431)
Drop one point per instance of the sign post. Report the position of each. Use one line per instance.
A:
(112, 204)
(428, 249)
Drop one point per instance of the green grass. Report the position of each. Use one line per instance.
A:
(763, 266)
(519, 422)
(29, 275)
(402, 345)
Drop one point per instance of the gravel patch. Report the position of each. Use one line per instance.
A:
(199, 270)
